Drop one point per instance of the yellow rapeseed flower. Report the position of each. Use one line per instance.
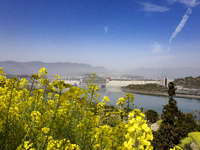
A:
(42, 72)
(45, 130)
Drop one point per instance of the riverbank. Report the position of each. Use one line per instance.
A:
(159, 93)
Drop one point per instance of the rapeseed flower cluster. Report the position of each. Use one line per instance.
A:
(48, 118)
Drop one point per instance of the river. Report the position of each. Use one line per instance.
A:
(150, 102)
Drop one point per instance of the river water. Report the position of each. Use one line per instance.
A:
(148, 101)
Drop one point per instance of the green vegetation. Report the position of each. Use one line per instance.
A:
(159, 122)
(188, 82)
(152, 115)
(192, 136)
(168, 135)
(147, 87)
(175, 125)
(47, 118)
(185, 142)
(195, 137)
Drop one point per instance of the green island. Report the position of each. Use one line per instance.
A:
(146, 87)
(188, 87)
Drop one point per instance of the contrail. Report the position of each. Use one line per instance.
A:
(181, 25)
(168, 49)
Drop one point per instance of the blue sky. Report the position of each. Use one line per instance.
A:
(116, 34)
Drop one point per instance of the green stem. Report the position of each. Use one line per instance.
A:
(31, 88)
(52, 121)
(5, 134)
(139, 142)
(127, 108)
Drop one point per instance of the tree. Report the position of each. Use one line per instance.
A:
(175, 124)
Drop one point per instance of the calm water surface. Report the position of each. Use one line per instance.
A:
(150, 102)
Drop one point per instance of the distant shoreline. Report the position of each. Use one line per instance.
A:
(160, 93)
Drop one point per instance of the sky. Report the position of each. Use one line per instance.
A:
(116, 34)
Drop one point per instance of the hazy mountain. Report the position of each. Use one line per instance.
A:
(133, 76)
(67, 68)
(61, 68)
(171, 73)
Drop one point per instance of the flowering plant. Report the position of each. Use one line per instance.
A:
(45, 118)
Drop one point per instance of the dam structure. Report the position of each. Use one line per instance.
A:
(108, 82)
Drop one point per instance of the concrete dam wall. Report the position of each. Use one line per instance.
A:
(117, 82)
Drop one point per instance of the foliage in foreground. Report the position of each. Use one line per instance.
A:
(192, 136)
(44, 118)
(195, 137)
(159, 122)
(152, 115)
(175, 125)
(186, 142)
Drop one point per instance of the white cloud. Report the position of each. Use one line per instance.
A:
(105, 29)
(181, 24)
(157, 48)
(154, 8)
(189, 3)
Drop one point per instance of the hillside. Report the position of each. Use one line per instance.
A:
(61, 68)
(171, 73)
(188, 82)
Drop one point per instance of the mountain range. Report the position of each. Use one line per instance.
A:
(67, 68)
(60, 68)
(171, 73)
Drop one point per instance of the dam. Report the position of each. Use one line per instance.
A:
(100, 82)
